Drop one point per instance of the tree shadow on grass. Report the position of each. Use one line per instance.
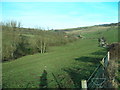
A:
(77, 74)
(86, 59)
(100, 52)
(83, 71)
(43, 80)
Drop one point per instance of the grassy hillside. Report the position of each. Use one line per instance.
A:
(111, 34)
(18, 42)
(61, 60)
(95, 32)
(69, 64)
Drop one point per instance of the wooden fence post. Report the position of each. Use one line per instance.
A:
(84, 84)
(102, 62)
(108, 56)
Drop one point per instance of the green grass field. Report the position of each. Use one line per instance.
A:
(71, 63)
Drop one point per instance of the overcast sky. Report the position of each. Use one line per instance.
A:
(58, 15)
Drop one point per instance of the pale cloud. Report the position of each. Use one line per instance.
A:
(32, 16)
(59, 21)
(74, 13)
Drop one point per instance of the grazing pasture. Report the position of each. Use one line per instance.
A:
(62, 66)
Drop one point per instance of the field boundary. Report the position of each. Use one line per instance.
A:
(99, 78)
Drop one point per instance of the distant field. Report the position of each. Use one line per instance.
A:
(71, 62)
(109, 32)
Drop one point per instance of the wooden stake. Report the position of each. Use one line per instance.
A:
(84, 84)
(108, 56)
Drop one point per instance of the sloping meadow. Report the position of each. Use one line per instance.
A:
(17, 42)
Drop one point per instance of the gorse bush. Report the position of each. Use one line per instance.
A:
(18, 41)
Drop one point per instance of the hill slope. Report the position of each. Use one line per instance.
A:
(71, 63)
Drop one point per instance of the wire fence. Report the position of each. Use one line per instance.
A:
(98, 78)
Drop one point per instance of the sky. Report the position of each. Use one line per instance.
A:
(60, 15)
